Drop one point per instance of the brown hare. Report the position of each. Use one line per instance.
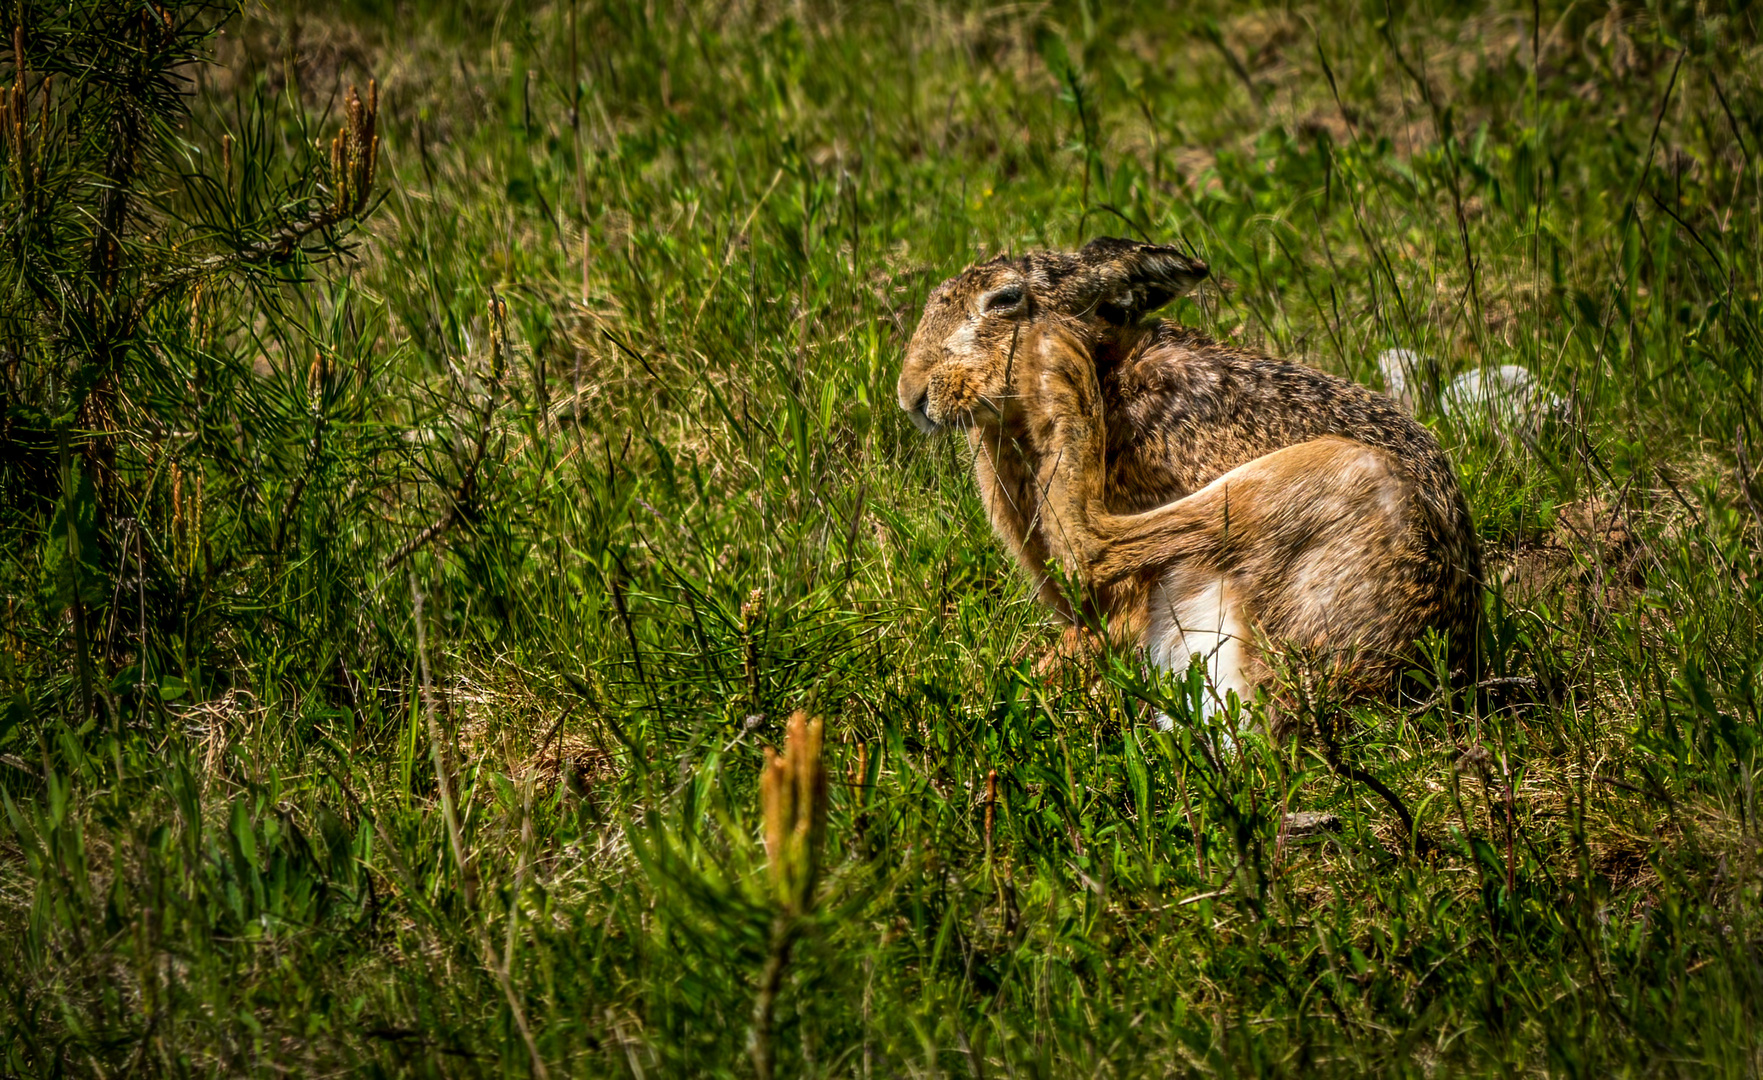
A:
(1210, 502)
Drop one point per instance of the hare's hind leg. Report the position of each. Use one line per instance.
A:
(1306, 545)
(1188, 620)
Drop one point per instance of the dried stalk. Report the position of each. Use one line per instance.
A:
(456, 841)
(463, 497)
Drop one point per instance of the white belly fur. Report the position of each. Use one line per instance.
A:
(1189, 619)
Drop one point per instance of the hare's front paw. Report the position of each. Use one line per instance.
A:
(1077, 647)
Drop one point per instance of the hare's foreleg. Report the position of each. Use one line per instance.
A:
(1066, 430)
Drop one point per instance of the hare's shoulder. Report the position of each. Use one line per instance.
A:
(1174, 376)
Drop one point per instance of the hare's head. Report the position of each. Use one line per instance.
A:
(963, 361)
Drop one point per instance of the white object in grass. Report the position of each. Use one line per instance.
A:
(1506, 397)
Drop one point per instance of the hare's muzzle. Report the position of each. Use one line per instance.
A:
(916, 409)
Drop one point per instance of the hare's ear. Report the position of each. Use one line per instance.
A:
(1128, 280)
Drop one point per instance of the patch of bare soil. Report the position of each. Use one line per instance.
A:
(1591, 545)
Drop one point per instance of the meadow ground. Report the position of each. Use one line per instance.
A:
(387, 692)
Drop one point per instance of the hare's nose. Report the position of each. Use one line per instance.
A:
(911, 391)
(918, 409)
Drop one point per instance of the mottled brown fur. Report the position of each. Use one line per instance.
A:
(1139, 455)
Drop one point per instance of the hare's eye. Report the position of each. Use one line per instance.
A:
(1007, 297)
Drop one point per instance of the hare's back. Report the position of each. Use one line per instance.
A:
(1183, 410)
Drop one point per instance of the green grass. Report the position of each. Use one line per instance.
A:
(699, 509)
